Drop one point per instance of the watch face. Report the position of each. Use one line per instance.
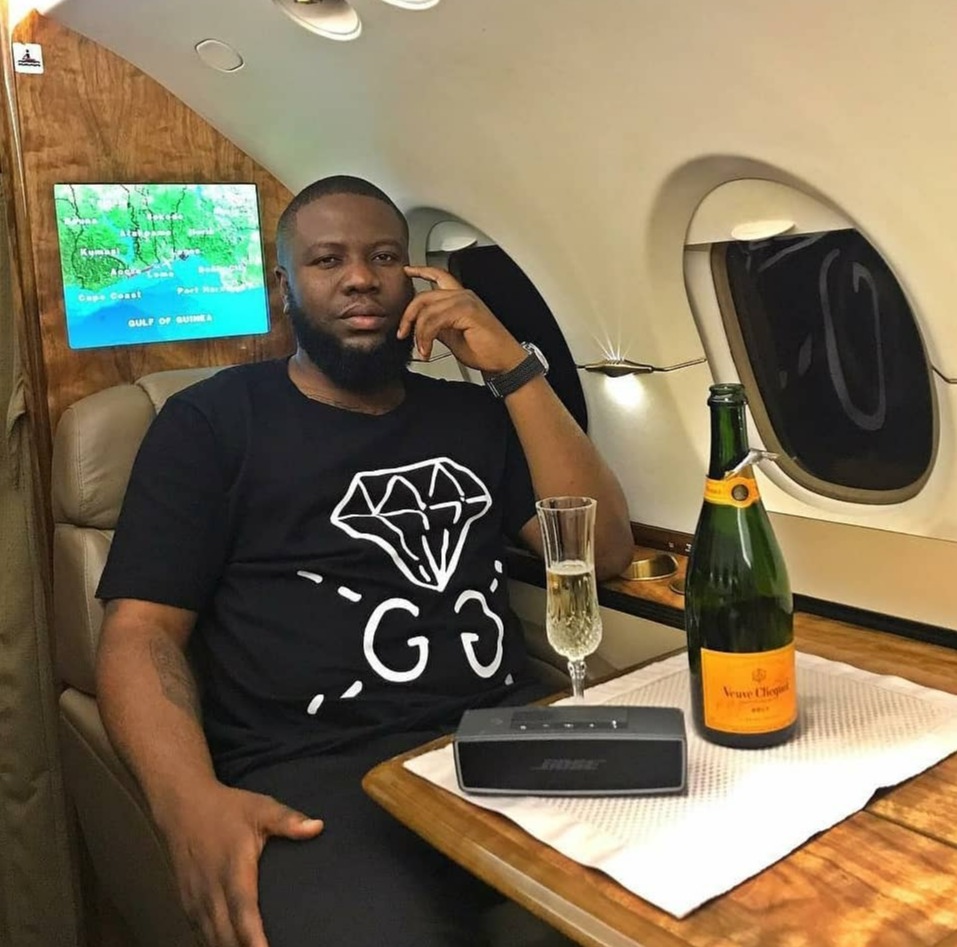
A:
(533, 349)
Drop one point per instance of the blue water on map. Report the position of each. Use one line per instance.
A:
(185, 305)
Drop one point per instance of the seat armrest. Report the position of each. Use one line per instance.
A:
(128, 855)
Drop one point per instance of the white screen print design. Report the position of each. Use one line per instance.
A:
(420, 515)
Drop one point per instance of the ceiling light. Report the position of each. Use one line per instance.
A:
(333, 19)
(412, 4)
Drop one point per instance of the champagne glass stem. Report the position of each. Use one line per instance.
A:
(576, 671)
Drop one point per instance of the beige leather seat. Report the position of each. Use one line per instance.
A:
(93, 451)
(94, 448)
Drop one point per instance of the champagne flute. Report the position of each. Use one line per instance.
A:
(572, 621)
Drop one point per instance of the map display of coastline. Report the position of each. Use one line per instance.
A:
(160, 262)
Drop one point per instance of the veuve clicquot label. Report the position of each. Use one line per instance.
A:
(735, 491)
(752, 692)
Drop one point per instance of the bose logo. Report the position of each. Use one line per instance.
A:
(565, 764)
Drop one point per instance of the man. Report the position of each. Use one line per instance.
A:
(323, 536)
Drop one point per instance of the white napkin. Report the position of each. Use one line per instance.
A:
(744, 809)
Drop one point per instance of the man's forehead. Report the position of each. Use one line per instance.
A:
(341, 217)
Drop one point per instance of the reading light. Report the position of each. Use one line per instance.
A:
(617, 367)
(760, 229)
(447, 236)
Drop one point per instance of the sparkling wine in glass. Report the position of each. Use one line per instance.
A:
(572, 620)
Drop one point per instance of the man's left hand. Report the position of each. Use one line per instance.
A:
(461, 321)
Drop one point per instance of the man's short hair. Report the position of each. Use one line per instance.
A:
(324, 187)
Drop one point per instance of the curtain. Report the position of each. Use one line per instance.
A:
(37, 896)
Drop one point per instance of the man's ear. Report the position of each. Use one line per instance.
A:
(283, 281)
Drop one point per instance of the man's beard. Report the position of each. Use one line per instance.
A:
(353, 369)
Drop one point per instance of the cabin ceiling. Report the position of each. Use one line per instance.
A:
(581, 134)
(468, 80)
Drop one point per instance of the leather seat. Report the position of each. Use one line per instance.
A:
(93, 451)
(95, 444)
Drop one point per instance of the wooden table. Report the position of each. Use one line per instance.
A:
(885, 877)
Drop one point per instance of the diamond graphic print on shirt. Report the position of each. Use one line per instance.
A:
(419, 514)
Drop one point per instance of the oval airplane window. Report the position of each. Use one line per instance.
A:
(825, 341)
(503, 286)
(480, 265)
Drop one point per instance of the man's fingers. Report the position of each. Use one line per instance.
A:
(216, 923)
(431, 320)
(207, 929)
(421, 318)
(447, 291)
(242, 896)
(291, 824)
(459, 319)
(441, 278)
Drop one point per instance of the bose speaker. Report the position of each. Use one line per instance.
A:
(571, 751)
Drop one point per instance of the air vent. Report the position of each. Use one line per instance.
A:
(219, 55)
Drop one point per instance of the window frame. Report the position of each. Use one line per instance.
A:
(762, 421)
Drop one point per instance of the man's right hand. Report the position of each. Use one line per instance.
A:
(150, 705)
(215, 842)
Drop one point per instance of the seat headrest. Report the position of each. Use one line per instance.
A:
(160, 385)
(96, 443)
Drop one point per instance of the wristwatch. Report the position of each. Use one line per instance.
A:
(533, 365)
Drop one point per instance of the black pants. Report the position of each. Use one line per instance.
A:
(366, 881)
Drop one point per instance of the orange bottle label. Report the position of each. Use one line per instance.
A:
(735, 491)
(749, 693)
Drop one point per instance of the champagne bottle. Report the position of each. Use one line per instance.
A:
(738, 608)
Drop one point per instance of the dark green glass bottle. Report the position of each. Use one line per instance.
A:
(738, 609)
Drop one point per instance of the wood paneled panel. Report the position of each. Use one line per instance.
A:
(93, 117)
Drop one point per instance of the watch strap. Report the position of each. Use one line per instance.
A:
(505, 383)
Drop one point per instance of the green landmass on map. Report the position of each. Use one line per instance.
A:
(153, 227)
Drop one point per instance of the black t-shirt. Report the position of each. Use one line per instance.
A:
(347, 569)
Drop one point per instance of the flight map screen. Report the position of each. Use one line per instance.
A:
(160, 262)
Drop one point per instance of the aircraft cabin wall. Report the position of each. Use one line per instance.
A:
(584, 139)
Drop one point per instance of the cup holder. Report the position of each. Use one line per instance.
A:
(660, 566)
